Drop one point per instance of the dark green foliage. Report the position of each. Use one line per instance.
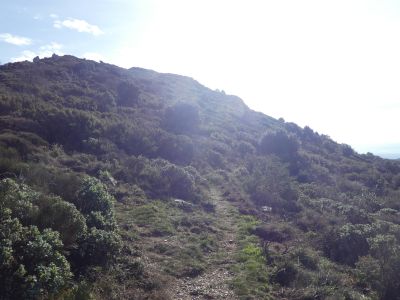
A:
(160, 178)
(69, 127)
(128, 94)
(182, 118)
(93, 197)
(176, 148)
(274, 232)
(30, 207)
(369, 273)
(98, 247)
(37, 229)
(181, 183)
(347, 150)
(280, 144)
(19, 199)
(346, 245)
(285, 274)
(63, 217)
(106, 101)
(31, 262)
(245, 148)
(269, 184)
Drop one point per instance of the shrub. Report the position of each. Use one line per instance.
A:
(93, 196)
(128, 94)
(280, 144)
(19, 199)
(63, 217)
(274, 232)
(32, 264)
(99, 247)
(180, 182)
(346, 245)
(176, 148)
(285, 274)
(182, 118)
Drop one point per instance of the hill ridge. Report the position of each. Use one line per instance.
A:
(144, 167)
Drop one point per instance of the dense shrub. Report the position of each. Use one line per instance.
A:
(346, 245)
(128, 94)
(182, 118)
(280, 144)
(63, 217)
(93, 196)
(176, 148)
(270, 184)
(32, 264)
(98, 247)
(274, 232)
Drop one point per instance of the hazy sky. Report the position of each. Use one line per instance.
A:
(333, 65)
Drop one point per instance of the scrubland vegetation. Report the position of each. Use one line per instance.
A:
(107, 178)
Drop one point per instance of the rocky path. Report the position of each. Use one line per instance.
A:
(214, 282)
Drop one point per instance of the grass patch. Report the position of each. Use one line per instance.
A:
(251, 275)
(152, 219)
(187, 262)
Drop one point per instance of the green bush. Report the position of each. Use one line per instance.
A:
(20, 199)
(93, 196)
(346, 245)
(98, 248)
(63, 217)
(274, 232)
(31, 262)
(280, 144)
(182, 118)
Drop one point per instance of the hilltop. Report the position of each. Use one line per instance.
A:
(132, 184)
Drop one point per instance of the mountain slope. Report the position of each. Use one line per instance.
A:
(176, 190)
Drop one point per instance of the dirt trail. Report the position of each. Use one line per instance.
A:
(213, 283)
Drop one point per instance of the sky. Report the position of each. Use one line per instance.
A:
(331, 65)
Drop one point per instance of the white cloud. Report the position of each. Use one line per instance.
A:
(50, 49)
(93, 56)
(53, 16)
(25, 55)
(53, 46)
(78, 25)
(15, 40)
(44, 51)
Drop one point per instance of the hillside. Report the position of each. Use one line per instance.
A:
(131, 184)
